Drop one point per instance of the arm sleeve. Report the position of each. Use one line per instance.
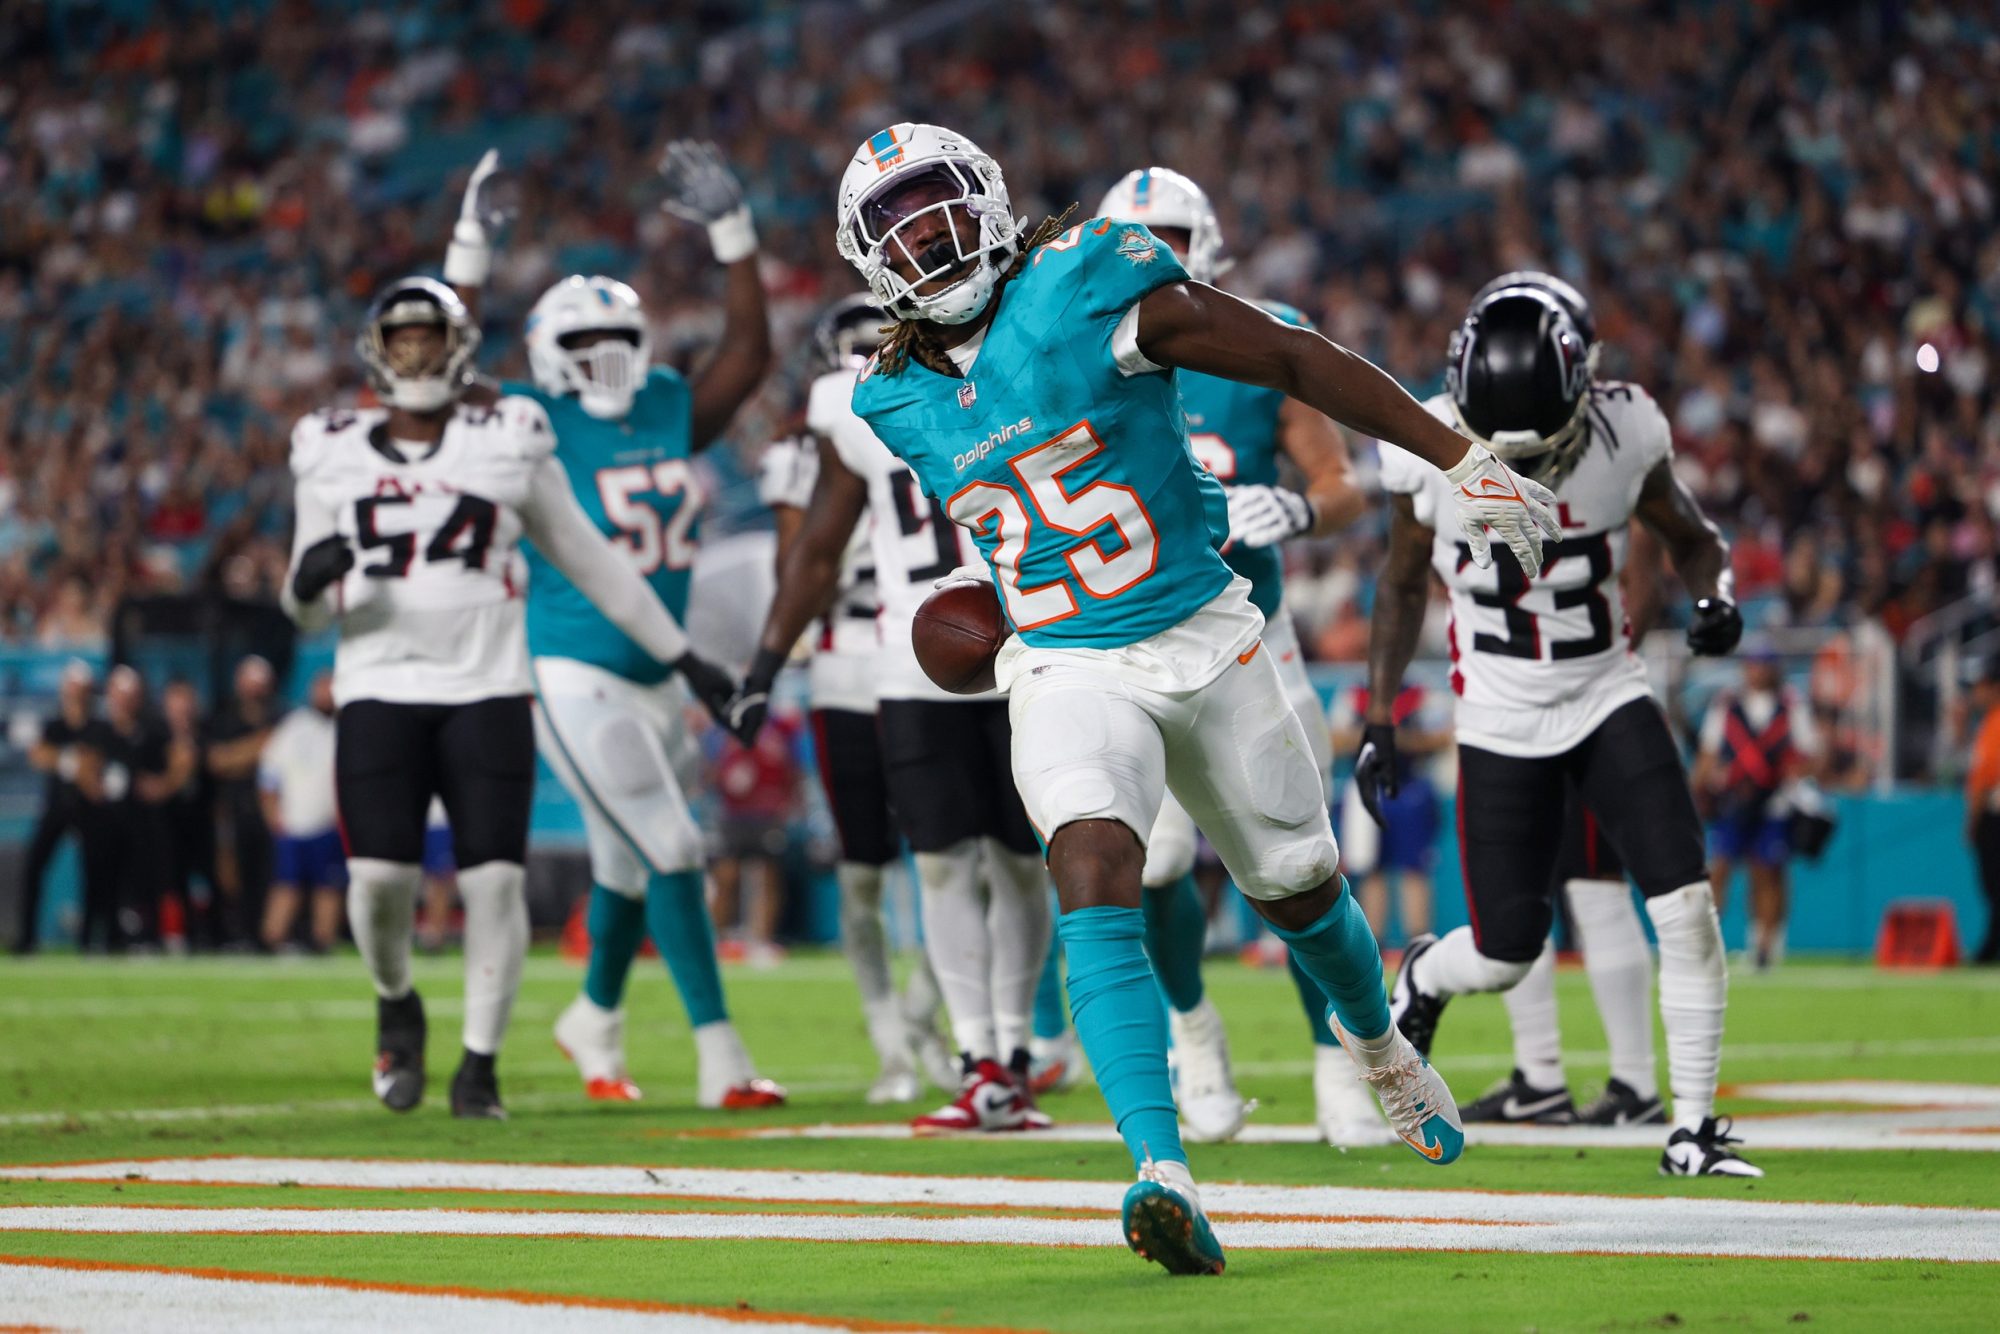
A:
(312, 520)
(564, 533)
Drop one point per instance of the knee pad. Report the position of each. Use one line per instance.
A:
(1170, 850)
(1502, 974)
(1685, 922)
(1293, 866)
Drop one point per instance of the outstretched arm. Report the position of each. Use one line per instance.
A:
(701, 189)
(1199, 328)
(1402, 594)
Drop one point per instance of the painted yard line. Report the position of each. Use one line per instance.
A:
(1874, 1093)
(132, 1299)
(1457, 1063)
(1857, 1131)
(1586, 1225)
(761, 1185)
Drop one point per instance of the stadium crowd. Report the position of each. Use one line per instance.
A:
(1805, 273)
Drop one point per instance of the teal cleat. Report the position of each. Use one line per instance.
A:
(1163, 1224)
(1420, 1108)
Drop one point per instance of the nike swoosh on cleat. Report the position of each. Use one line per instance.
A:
(1434, 1152)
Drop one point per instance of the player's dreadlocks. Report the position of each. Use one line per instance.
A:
(905, 340)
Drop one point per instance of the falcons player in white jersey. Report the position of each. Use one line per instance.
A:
(841, 684)
(408, 518)
(1551, 699)
(987, 919)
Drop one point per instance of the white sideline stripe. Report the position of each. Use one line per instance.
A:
(1454, 1063)
(1554, 1225)
(1663, 1224)
(1875, 1093)
(109, 1301)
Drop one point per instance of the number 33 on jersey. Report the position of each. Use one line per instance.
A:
(1063, 452)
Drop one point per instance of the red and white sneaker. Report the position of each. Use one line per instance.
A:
(751, 1094)
(725, 1077)
(989, 1101)
(593, 1038)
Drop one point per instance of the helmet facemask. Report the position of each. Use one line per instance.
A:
(894, 237)
(1518, 380)
(588, 337)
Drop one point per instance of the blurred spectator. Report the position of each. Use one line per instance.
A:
(1783, 213)
(141, 771)
(187, 819)
(1756, 743)
(1407, 846)
(295, 781)
(242, 843)
(757, 788)
(1982, 805)
(64, 753)
(440, 890)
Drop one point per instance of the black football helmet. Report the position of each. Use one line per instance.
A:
(848, 332)
(1572, 300)
(1519, 378)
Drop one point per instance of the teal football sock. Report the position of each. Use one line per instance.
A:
(1051, 1017)
(1116, 1008)
(617, 925)
(677, 919)
(1176, 931)
(1314, 1001)
(1338, 952)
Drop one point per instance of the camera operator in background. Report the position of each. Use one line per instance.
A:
(1758, 746)
(63, 752)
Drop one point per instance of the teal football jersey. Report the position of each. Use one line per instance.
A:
(1075, 479)
(1234, 430)
(635, 481)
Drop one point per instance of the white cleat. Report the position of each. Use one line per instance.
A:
(1054, 1064)
(1211, 1109)
(898, 1082)
(1420, 1108)
(1343, 1108)
(594, 1040)
(725, 1077)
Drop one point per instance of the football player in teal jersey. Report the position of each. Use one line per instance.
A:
(1238, 431)
(1029, 382)
(608, 719)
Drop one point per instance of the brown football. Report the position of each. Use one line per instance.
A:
(957, 631)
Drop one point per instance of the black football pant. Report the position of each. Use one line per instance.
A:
(1513, 816)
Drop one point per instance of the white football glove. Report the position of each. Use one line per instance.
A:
(1489, 494)
(964, 574)
(469, 258)
(1262, 516)
(701, 189)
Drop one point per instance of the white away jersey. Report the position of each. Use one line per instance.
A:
(915, 543)
(842, 672)
(432, 612)
(1537, 665)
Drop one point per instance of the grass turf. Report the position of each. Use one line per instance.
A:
(89, 1043)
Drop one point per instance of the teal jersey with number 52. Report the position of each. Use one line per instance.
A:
(1234, 430)
(634, 479)
(1074, 476)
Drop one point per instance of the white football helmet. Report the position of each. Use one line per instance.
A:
(909, 173)
(403, 384)
(604, 373)
(1159, 197)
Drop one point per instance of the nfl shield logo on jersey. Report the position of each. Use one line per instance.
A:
(967, 395)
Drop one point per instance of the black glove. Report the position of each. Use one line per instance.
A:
(752, 703)
(320, 565)
(1375, 769)
(1716, 627)
(715, 688)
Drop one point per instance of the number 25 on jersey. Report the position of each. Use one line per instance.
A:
(991, 509)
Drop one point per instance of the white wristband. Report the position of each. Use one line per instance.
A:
(733, 236)
(469, 258)
(1476, 457)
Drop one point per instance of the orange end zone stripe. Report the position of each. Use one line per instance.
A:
(515, 1295)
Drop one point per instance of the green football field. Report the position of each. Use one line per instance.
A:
(186, 1140)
